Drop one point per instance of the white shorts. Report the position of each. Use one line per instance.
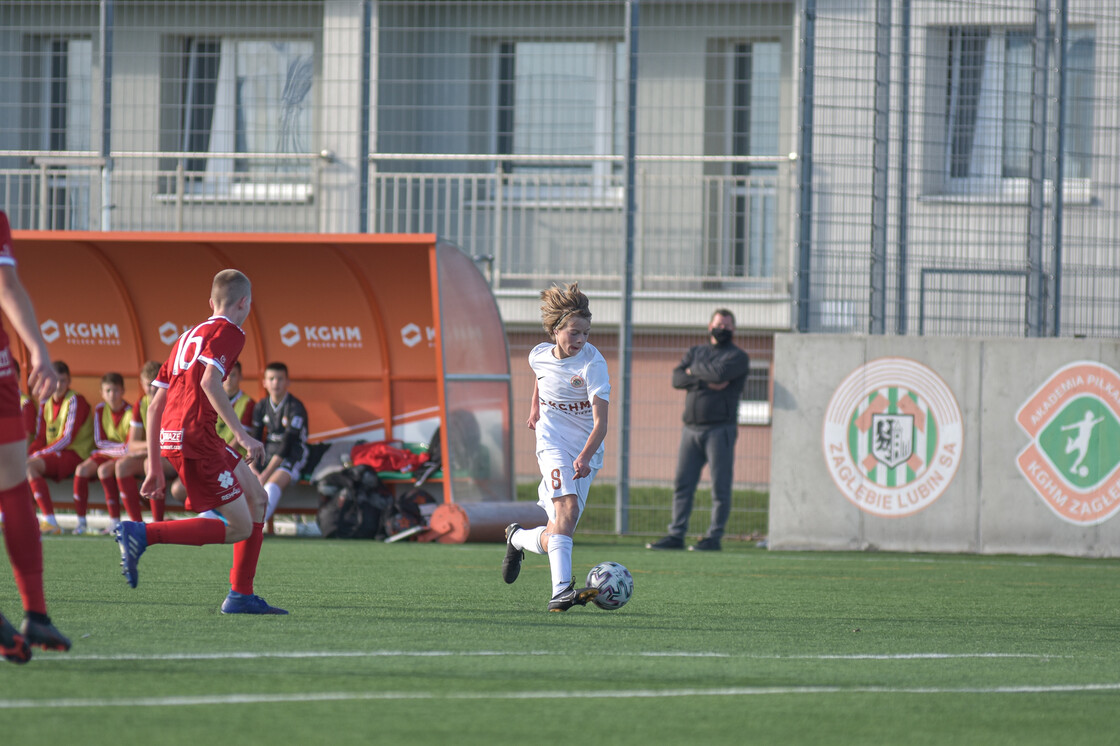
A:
(558, 478)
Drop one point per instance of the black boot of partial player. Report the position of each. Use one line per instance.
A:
(12, 645)
(40, 633)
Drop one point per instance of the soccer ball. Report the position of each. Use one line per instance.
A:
(614, 583)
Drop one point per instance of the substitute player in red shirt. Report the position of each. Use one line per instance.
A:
(21, 527)
(181, 425)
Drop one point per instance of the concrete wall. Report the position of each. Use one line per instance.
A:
(976, 484)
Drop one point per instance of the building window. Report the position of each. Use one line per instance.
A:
(560, 99)
(237, 96)
(744, 110)
(754, 403)
(987, 109)
(58, 102)
(755, 113)
(62, 87)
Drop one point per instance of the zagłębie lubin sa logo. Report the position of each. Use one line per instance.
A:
(892, 437)
(1073, 459)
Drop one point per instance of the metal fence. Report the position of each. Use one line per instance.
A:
(841, 166)
(961, 175)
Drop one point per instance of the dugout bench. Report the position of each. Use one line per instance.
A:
(386, 337)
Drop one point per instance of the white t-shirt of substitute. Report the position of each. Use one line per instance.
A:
(566, 389)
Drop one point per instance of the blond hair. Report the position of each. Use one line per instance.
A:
(229, 287)
(561, 303)
(150, 371)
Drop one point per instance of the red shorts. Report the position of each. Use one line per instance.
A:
(59, 466)
(12, 430)
(101, 458)
(210, 482)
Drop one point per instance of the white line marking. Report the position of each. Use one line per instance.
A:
(909, 656)
(287, 654)
(1091, 563)
(241, 699)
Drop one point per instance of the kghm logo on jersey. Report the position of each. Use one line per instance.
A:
(1073, 459)
(892, 437)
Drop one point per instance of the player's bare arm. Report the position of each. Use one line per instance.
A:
(154, 483)
(16, 305)
(599, 410)
(534, 408)
(212, 386)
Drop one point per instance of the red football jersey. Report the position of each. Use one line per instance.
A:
(9, 387)
(188, 418)
(8, 258)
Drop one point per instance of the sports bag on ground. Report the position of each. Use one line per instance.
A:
(352, 504)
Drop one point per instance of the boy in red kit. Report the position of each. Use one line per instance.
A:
(181, 424)
(111, 420)
(21, 530)
(69, 441)
(132, 465)
(243, 408)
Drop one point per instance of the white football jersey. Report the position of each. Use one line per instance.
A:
(566, 389)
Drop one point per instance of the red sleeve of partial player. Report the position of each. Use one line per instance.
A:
(6, 255)
(163, 378)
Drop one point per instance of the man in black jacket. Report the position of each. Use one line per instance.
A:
(713, 376)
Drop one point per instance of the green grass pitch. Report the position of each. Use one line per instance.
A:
(416, 644)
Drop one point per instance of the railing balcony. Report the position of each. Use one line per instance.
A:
(698, 226)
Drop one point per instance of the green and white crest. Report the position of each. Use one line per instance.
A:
(892, 437)
(1073, 459)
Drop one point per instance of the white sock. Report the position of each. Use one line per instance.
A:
(560, 561)
(273, 491)
(51, 519)
(528, 539)
(82, 521)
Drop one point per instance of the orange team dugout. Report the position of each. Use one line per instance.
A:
(385, 337)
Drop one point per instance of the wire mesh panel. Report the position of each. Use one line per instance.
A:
(989, 101)
(904, 167)
(131, 115)
(514, 114)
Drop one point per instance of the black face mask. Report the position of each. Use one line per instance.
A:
(722, 336)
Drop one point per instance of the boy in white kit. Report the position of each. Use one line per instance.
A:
(571, 398)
